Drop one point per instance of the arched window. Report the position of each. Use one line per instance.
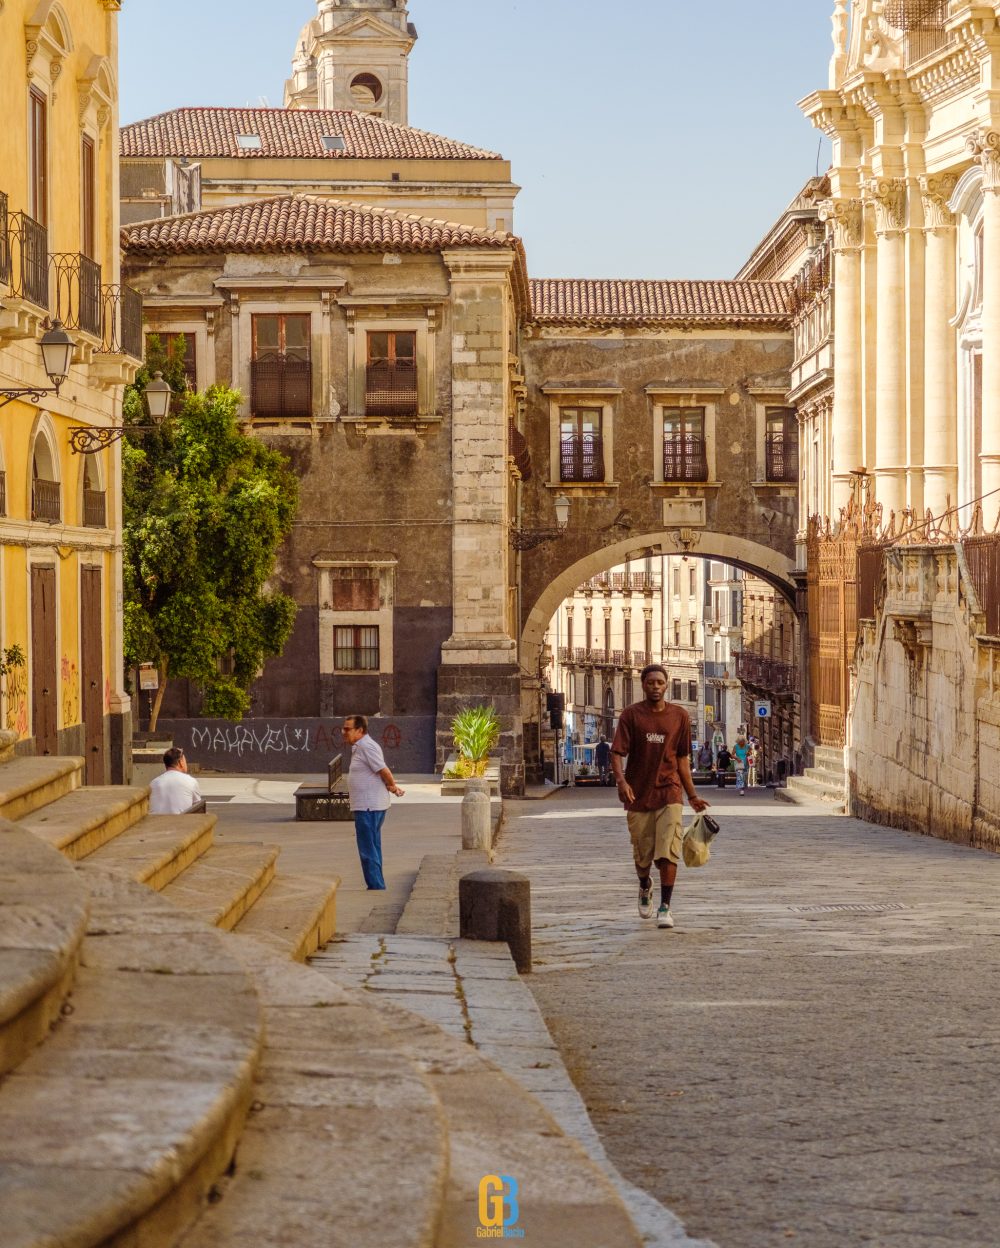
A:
(46, 494)
(366, 91)
(95, 511)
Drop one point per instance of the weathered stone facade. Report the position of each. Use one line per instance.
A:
(924, 751)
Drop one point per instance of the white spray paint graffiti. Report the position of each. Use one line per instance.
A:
(241, 739)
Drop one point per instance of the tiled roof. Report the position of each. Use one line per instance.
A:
(572, 301)
(303, 223)
(286, 132)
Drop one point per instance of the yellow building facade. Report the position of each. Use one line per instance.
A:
(60, 510)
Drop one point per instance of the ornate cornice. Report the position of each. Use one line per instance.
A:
(936, 191)
(888, 197)
(845, 217)
(985, 148)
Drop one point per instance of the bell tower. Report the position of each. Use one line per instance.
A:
(354, 55)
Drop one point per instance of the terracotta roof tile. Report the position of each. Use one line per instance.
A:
(572, 301)
(304, 223)
(286, 132)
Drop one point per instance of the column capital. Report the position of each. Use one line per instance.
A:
(985, 148)
(888, 197)
(845, 217)
(936, 192)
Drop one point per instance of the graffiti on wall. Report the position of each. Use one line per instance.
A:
(261, 737)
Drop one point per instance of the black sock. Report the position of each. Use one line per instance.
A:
(666, 891)
(645, 883)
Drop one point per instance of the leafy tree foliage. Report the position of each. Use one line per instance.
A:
(205, 509)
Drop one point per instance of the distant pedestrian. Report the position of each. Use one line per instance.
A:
(723, 762)
(174, 792)
(718, 742)
(603, 758)
(741, 752)
(369, 783)
(705, 757)
(655, 737)
(752, 766)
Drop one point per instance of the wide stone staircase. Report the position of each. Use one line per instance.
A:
(825, 781)
(169, 1075)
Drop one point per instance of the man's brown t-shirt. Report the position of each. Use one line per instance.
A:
(653, 741)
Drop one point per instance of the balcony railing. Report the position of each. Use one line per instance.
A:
(4, 242)
(281, 388)
(45, 500)
(121, 321)
(391, 388)
(3, 493)
(95, 511)
(782, 456)
(28, 259)
(768, 675)
(581, 457)
(684, 458)
(76, 285)
(622, 582)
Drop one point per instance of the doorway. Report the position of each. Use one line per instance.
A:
(92, 674)
(44, 661)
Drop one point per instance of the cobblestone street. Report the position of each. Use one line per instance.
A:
(811, 1055)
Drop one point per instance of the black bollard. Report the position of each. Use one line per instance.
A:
(496, 905)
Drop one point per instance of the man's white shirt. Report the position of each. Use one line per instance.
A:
(173, 793)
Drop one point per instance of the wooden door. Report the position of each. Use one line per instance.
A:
(92, 675)
(44, 661)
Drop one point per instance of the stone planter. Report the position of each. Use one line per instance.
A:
(454, 786)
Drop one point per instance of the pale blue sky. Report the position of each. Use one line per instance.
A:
(652, 138)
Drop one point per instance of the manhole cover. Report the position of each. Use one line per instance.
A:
(849, 908)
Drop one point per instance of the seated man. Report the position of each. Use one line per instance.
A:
(175, 792)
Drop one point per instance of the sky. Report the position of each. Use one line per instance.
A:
(652, 138)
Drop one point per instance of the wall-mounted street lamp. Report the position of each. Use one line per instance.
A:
(57, 351)
(528, 539)
(89, 439)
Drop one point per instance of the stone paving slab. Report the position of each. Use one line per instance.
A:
(810, 1056)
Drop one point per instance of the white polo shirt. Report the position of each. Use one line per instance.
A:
(173, 793)
(364, 785)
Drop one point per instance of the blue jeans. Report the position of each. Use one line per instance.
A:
(368, 832)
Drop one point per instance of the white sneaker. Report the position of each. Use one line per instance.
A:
(646, 901)
(664, 918)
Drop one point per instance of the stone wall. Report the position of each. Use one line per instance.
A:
(924, 730)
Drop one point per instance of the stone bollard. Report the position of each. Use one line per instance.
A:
(477, 826)
(496, 905)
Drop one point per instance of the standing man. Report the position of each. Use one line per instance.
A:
(174, 792)
(603, 758)
(655, 737)
(369, 783)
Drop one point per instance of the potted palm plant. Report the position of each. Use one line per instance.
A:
(476, 732)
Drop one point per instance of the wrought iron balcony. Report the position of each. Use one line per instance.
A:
(95, 511)
(782, 456)
(581, 457)
(391, 388)
(517, 449)
(121, 321)
(768, 675)
(281, 388)
(46, 501)
(27, 258)
(684, 458)
(76, 285)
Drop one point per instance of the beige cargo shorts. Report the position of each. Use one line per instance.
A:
(656, 835)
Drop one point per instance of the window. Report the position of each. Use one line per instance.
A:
(684, 455)
(281, 367)
(675, 690)
(569, 630)
(355, 649)
(88, 197)
(693, 582)
(334, 143)
(38, 157)
(588, 689)
(692, 691)
(781, 444)
(694, 635)
(391, 375)
(628, 691)
(179, 347)
(249, 142)
(589, 632)
(677, 632)
(628, 636)
(581, 445)
(677, 582)
(366, 91)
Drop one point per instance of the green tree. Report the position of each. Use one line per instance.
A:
(205, 509)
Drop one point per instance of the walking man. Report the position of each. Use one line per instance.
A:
(655, 737)
(369, 783)
(174, 792)
(603, 759)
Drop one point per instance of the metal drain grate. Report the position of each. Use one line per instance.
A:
(850, 908)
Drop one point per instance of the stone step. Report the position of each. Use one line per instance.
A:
(494, 1126)
(222, 886)
(346, 1147)
(815, 790)
(28, 783)
(829, 756)
(84, 820)
(158, 848)
(832, 776)
(115, 1129)
(295, 916)
(43, 917)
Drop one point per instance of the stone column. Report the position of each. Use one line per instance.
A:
(985, 146)
(479, 659)
(888, 196)
(940, 359)
(848, 236)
